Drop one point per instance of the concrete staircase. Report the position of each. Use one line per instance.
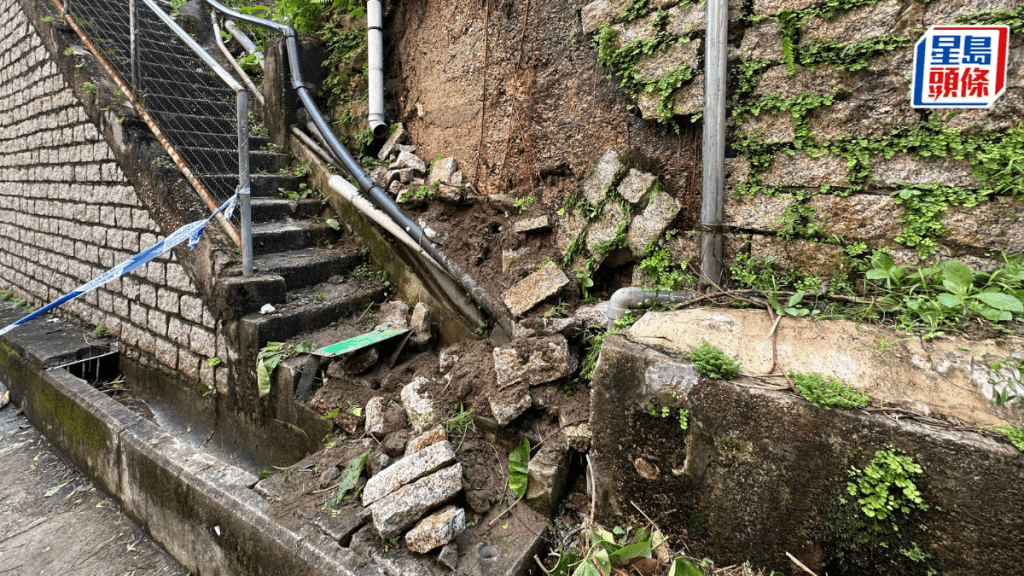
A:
(291, 240)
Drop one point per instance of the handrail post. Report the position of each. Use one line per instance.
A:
(244, 209)
(134, 46)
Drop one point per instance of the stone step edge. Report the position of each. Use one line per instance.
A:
(151, 473)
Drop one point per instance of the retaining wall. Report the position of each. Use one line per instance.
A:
(822, 137)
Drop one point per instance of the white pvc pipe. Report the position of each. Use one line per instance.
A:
(375, 61)
(352, 195)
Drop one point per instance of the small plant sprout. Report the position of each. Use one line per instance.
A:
(826, 392)
(712, 362)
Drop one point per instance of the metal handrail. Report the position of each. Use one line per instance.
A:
(242, 117)
(366, 183)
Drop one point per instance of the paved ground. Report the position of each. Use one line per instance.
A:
(52, 521)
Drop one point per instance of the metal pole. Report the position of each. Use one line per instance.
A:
(713, 152)
(244, 209)
(134, 44)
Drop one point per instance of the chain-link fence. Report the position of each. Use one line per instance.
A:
(196, 107)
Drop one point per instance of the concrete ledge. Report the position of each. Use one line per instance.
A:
(200, 509)
(755, 465)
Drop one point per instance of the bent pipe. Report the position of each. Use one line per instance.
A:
(366, 184)
(375, 64)
(633, 298)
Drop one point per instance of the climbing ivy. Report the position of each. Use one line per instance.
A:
(1012, 18)
(923, 205)
(851, 57)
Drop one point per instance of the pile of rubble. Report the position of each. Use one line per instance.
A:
(401, 496)
(411, 181)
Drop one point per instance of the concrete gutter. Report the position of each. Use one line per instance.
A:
(202, 511)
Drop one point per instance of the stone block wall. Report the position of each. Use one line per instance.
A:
(824, 150)
(68, 214)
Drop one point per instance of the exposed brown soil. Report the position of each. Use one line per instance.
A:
(549, 110)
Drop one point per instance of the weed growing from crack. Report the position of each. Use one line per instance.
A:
(712, 362)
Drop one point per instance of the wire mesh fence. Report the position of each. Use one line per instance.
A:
(191, 104)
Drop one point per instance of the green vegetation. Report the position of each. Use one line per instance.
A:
(518, 465)
(664, 274)
(873, 525)
(624, 59)
(826, 392)
(349, 480)
(101, 331)
(1013, 434)
(270, 356)
(1008, 383)
(712, 362)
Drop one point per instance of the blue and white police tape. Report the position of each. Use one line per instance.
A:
(190, 232)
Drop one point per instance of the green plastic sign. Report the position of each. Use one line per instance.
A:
(360, 342)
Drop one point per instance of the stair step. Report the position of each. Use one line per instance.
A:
(309, 266)
(187, 85)
(174, 122)
(270, 209)
(210, 161)
(261, 186)
(269, 237)
(181, 103)
(305, 312)
(222, 141)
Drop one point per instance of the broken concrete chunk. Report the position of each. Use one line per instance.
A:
(535, 327)
(403, 508)
(447, 360)
(509, 402)
(374, 410)
(579, 436)
(421, 326)
(408, 469)
(449, 555)
(399, 148)
(399, 136)
(377, 462)
(605, 229)
(532, 224)
(650, 225)
(394, 188)
(510, 257)
(602, 176)
(535, 288)
(593, 314)
(418, 405)
(442, 171)
(428, 438)
(547, 473)
(361, 360)
(394, 444)
(534, 361)
(394, 314)
(436, 530)
(570, 227)
(635, 185)
(420, 317)
(406, 175)
(447, 193)
(458, 179)
(409, 160)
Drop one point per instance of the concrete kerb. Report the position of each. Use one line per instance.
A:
(200, 509)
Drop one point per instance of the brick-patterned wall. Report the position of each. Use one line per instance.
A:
(67, 214)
